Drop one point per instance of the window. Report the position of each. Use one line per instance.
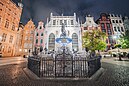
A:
(40, 27)
(120, 21)
(54, 22)
(41, 34)
(36, 41)
(118, 29)
(85, 28)
(122, 29)
(11, 39)
(41, 41)
(71, 22)
(60, 22)
(102, 25)
(116, 21)
(4, 37)
(6, 24)
(37, 34)
(115, 29)
(13, 27)
(108, 25)
(113, 21)
(109, 32)
(65, 22)
(104, 30)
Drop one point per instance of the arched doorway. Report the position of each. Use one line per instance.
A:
(51, 44)
(75, 42)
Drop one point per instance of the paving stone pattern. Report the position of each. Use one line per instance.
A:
(13, 75)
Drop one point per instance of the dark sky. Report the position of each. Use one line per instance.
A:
(41, 9)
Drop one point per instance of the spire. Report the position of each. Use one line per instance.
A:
(20, 4)
(47, 20)
(78, 21)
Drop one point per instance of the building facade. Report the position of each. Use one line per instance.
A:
(89, 25)
(118, 26)
(39, 35)
(126, 23)
(53, 31)
(28, 38)
(10, 15)
(106, 27)
(18, 48)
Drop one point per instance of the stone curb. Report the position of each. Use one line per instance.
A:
(95, 76)
(31, 75)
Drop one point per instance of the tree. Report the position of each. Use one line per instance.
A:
(125, 40)
(94, 40)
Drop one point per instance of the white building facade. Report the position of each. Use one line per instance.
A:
(118, 26)
(53, 31)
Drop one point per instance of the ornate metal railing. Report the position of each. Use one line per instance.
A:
(64, 67)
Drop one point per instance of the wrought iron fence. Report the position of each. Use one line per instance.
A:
(64, 67)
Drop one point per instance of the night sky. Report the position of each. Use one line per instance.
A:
(40, 9)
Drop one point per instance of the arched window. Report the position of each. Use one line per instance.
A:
(41, 41)
(75, 42)
(41, 34)
(36, 41)
(37, 34)
(51, 45)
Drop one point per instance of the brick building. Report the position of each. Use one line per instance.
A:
(106, 26)
(28, 38)
(10, 14)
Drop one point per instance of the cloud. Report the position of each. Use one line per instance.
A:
(41, 9)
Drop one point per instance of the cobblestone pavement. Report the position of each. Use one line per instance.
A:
(13, 75)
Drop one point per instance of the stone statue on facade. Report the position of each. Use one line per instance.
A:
(63, 34)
